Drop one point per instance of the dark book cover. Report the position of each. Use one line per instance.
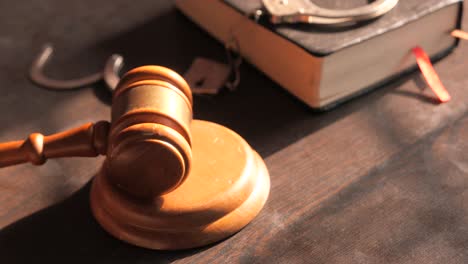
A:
(321, 41)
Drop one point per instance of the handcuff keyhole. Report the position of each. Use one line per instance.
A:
(200, 82)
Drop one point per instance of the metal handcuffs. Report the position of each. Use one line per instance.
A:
(304, 11)
(281, 11)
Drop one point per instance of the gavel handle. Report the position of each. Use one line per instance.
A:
(88, 140)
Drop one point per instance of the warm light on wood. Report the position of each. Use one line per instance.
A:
(168, 182)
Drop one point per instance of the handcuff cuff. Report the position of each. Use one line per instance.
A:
(305, 11)
(204, 76)
(279, 12)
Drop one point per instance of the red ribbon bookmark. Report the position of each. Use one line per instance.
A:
(430, 75)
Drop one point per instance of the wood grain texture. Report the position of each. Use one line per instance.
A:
(88, 140)
(381, 179)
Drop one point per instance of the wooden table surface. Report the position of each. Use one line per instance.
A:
(381, 179)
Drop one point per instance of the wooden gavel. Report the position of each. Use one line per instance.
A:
(168, 182)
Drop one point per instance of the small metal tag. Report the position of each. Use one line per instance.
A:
(206, 76)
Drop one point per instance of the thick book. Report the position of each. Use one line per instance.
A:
(325, 66)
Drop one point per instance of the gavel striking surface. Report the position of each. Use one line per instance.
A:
(226, 188)
(153, 190)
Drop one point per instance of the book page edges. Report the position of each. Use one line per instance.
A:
(322, 81)
(386, 55)
(290, 66)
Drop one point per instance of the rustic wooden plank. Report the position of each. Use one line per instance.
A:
(323, 164)
(332, 173)
(412, 209)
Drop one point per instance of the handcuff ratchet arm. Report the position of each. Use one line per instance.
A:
(304, 11)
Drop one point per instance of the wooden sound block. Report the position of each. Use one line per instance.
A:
(226, 188)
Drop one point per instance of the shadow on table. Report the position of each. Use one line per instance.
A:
(68, 233)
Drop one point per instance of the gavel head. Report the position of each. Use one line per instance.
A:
(150, 191)
(147, 192)
(149, 150)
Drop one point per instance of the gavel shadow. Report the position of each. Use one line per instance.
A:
(67, 233)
